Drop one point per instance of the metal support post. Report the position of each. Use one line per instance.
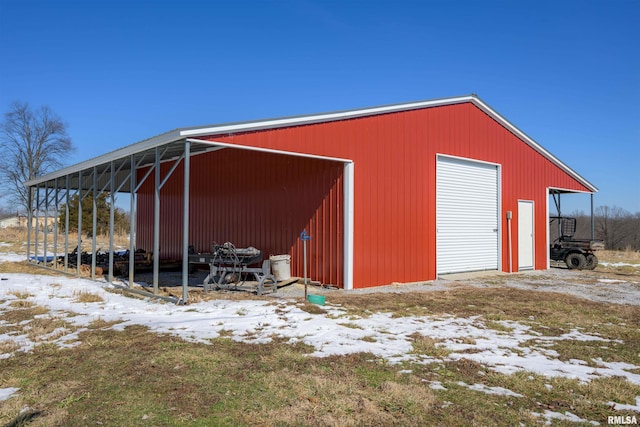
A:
(35, 251)
(593, 225)
(55, 227)
(304, 236)
(79, 248)
(94, 223)
(156, 223)
(29, 220)
(185, 221)
(132, 219)
(66, 227)
(111, 220)
(46, 224)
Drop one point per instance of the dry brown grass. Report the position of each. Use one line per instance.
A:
(8, 347)
(22, 315)
(428, 346)
(34, 321)
(21, 304)
(628, 256)
(493, 303)
(27, 268)
(17, 240)
(87, 297)
(46, 329)
(337, 398)
(21, 295)
(134, 377)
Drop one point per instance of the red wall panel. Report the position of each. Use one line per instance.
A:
(265, 200)
(251, 199)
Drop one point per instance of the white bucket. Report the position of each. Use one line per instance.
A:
(281, 266)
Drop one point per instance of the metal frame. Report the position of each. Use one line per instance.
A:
(115, 173)
(556, 194)
(111, 176)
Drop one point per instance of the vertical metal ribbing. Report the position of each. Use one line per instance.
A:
(79, 248)
(132, 219)
(156, 223)
(66, 227)
(94, 223)
(185, 222)
(111, 220)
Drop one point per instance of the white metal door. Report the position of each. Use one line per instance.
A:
(466, 215)
(525, 235)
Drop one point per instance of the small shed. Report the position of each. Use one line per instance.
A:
(394, 193)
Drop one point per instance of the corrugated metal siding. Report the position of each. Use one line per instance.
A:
(395, 177)
(253, 199)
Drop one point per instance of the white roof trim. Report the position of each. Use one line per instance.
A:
(324, 117)
(180, 134)
(268, 150)
(118, 154)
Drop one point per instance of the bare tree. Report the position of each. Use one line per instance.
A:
(613, 225)
(34, 142)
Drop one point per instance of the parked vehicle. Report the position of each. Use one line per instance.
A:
(576, 253)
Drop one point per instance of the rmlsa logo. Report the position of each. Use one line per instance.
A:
(622, 420)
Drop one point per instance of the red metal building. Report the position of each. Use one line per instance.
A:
(397, 193)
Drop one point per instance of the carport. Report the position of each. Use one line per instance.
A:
(125, 171)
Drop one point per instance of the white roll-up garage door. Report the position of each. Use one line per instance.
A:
(466, 215)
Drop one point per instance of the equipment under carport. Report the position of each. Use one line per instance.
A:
(576, 253)
(230, 268)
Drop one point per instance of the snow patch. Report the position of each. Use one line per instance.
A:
(515, 348)
(623, 407)
(500, 391)
(6, 393)
(567, 416)
(611, 281)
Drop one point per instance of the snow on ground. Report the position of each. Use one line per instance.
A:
(11, 257)
(611, 281)
(6, 393)
(335, 332)
(567, 416)
(501, 391)
(617, 264)
(622, 406)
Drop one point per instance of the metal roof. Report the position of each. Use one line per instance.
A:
(172, 142)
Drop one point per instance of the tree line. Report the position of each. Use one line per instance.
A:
(120, 217)
(617, 227)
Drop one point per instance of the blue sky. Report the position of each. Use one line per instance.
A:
(567, 73)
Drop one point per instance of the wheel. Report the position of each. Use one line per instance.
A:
(575, 261)
(592, 262)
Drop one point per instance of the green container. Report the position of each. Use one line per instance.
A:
(316, 299)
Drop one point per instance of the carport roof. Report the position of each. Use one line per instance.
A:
(172, 142)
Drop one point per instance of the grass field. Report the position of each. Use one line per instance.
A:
(135, 377)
